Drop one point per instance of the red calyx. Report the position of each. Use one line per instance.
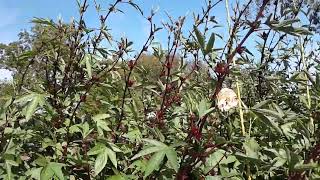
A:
(169, 65)
(131, 64)
(159, 115)
(169, 88)
(220, 68)
(177, 98)
(240, 50)
(196, 133)
(130, 83)
(192, 117)
(83, 98)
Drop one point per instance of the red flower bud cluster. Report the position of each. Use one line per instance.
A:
(131, 64)
(221, 69)
(240, 50)
(174, 99)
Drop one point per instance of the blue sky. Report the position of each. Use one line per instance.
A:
(16, 15)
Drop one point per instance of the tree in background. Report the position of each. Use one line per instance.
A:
(84, 105)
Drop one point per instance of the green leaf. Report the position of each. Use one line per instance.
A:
(214, 177)
(32, 107)
(12, 162)
(148, 151)
(43, 21)
(210, 43)
(41, 161)
(100, 162)
(172, 158)
(88, 65)
(154, 162)
(261, 104)
(268, 121)
(103, 125)
(155, 142)
(116, 177)
(34, 100)
(204, 108)
(272, 113)
(9, 172)
(57, 170)
(46, 173)
(200, 37)
(213, 160)
(35, 173)
(52, 170)
(75, 128)
(287, 22)
(100, 117)
(114, 147)
(279, 161)
(305, 167)
(97, 149)
(252, 147)
(86, 129)
(112, 156)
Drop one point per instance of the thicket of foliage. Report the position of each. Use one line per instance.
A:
(84, 105)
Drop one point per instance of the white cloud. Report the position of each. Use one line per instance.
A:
(5, 75)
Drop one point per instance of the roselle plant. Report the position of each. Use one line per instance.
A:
(86, 105)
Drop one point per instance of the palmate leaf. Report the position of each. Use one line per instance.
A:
(172, 158)
(213, 160)
(52, 170)
(158, 146)
(97, 149)
(154, 142)
(154, 162)
(112, 156)
(160, 150)
(32, 106)
(204, 108)
(100, 162)
(269, 112)
(35, 173)
(101, 124)
(268, 121)
(252, 148)
(33, 100)
(104, 153)
(149, 151)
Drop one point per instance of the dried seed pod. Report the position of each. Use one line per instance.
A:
(227, 99)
